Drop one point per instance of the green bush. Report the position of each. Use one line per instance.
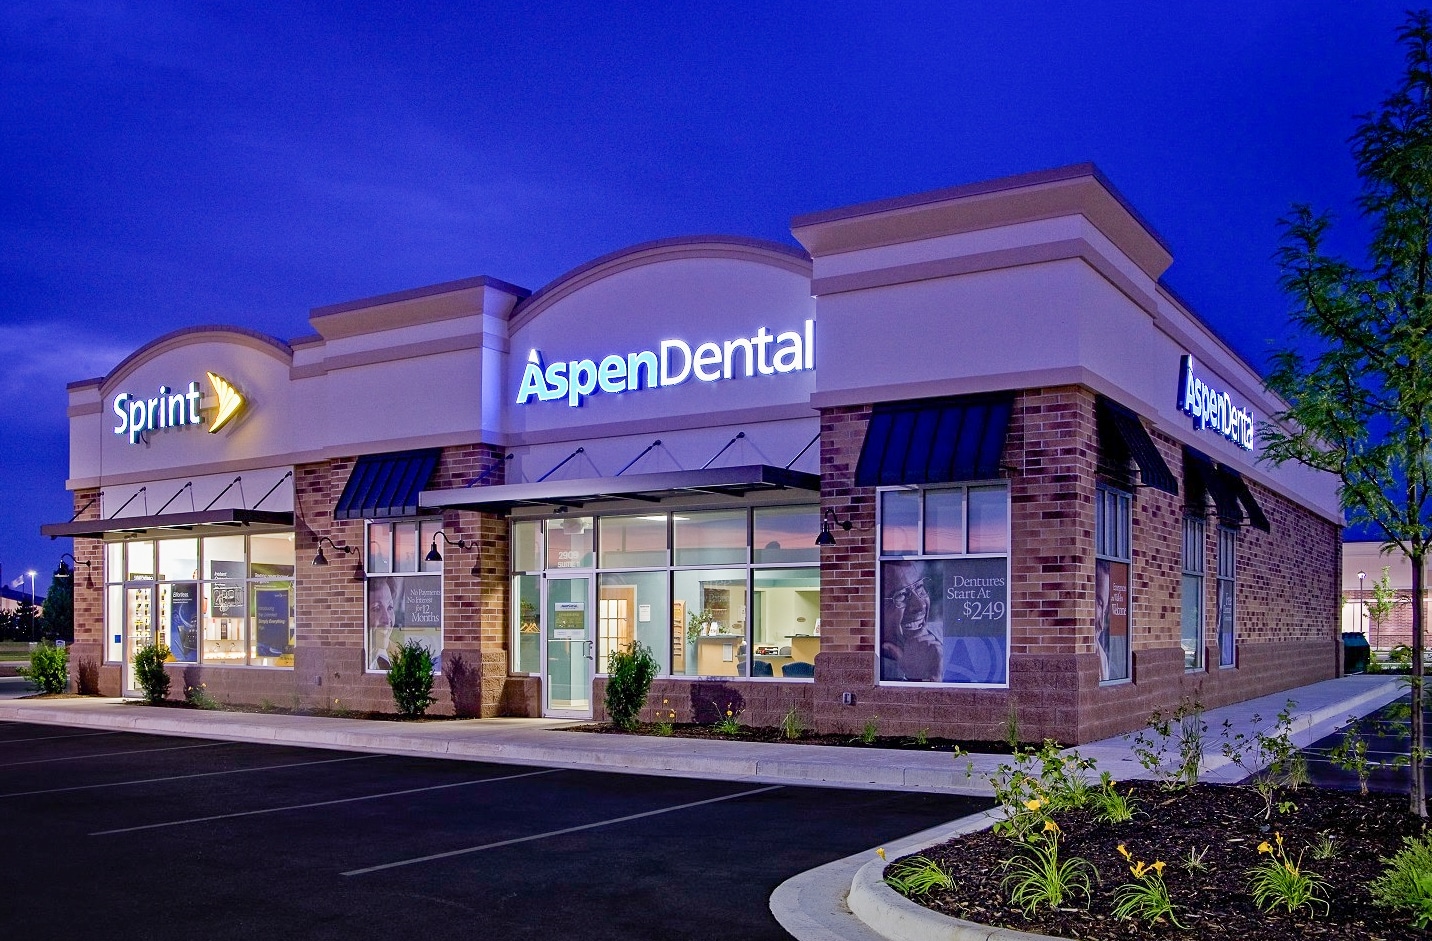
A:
(49, 668)
(411, 677)
(149, 672)
(629, 676)
(1406, 884)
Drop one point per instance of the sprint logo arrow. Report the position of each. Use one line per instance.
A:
(231, 402)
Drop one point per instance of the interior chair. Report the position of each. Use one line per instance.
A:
(798, 668)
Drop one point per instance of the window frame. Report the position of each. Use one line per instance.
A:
(1115, 546)
(1193, 587)
(1227, 581)
(423, 530)
(885, 558)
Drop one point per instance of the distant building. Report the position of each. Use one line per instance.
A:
(1366, 557)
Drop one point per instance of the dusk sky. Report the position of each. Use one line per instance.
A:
(164, 164)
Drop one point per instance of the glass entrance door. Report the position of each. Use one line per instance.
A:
(569, 648)
(139, 627)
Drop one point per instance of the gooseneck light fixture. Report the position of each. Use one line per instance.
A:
(826, 537)
(322, 559)
(64, 571)
(435, 556)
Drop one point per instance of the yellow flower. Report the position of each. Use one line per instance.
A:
(880, 852)
(1158, 867)
(728, 713)
(1051, 825)
(1034, 804)
(1291, 871)
(1264, 847)
(1124, 852)
(1278, 837)
(1138, 870)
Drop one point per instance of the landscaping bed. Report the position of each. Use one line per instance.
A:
(1213, 900)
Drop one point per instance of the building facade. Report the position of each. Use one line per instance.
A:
(959, 459)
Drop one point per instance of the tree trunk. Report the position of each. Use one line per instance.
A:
(1417, 793)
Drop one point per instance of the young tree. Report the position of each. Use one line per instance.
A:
(1384, 602)
(1359, 392)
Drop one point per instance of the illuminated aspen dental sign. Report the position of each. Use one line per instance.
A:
(673, 363)
(1212, 409)
(172, 409)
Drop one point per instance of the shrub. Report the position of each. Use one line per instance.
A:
(411, 677)
(198, 697)
(87, 676)
(49, 668)
(149, 672)
(1146, 898)
(629, 676)
(1406, 884)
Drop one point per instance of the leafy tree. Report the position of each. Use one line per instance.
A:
(1383, 603)
(1359, 392)
(57, 618)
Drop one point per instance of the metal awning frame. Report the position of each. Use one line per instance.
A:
(132, 526)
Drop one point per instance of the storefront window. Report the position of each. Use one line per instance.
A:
(709, 621)
(783, 533)
(405, 602)
(1192, 610)
(726, 592)
(632, 542)
(710, 537)
(569, 543)
(631, 607)
(944, 615)
(221, 600)
(785, 622)
(1227, 570)
(1112, 562)
(526, 624)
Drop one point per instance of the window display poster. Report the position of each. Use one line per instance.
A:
(271, 615)
(1225, 622)
(944, 621)
(1111, 618)
(400, 607)
(226, 592)
(184, 621)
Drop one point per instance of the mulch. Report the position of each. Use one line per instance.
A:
(1227, 824)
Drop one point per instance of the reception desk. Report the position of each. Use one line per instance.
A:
(719, 654)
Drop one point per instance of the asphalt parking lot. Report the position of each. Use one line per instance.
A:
(140, 836)
(1388, 733)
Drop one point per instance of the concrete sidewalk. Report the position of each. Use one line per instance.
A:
(812, 906)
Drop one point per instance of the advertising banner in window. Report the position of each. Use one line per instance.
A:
(403, 609)
(1225, 622)
(1111, 618)
(226, 592)
(271, 615)
(184, 621)
(945, 621)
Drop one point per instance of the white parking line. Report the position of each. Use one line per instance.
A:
(114, 754)
(552, 833)
(185, 777)
(51, 738)
(341, 800)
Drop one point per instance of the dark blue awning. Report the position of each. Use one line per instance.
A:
(1203, 478)
(386, 485)
(1124, 438)
(935, 441)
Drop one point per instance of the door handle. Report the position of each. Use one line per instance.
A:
(587, 650)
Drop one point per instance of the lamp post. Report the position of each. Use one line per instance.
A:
(31, 573)
(1362, 601)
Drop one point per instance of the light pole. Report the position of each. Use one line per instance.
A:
(31, 573)
(1362, 602)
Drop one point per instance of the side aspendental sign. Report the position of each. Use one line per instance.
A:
(1210, 408)
(676, 362)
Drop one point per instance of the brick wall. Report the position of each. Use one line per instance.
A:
(89, 600)
(1286, 594)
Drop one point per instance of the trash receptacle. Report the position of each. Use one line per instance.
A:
(1356, 653)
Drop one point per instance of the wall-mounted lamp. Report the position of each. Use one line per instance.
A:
(826, 537)
(64, 571)
(322, 559)
(435, 556)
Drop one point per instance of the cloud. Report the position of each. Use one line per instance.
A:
(39, 360)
